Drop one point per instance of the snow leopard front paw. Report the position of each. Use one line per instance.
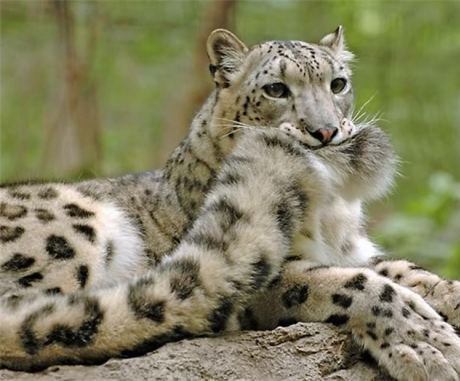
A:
(409, 338)
(346, 131)
(443, 295)
(451, 292)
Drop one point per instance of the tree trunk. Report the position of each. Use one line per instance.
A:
(72, 144)
(219, 14)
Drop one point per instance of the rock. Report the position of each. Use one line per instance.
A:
(307, 352)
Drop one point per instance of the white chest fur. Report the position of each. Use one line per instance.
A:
(338, 238)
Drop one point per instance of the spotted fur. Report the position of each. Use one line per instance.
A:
(252, 224)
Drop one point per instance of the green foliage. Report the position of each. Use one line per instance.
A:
(427, 228)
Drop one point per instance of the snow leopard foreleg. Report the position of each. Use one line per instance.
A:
(403, 333)
(443, 295)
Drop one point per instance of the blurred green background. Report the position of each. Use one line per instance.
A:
(99, 88)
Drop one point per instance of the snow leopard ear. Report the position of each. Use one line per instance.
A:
(226, 53)
(336, 43)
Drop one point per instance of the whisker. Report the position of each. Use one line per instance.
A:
(371, 98)
(360, 116)
(230, 120)
(233, 127)
(235, 122)
(238, 129)
(374, 118)
(237, 126)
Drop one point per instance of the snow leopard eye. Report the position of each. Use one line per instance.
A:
(276, 90)
(338, 84)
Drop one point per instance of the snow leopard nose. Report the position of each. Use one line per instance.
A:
(326, 134)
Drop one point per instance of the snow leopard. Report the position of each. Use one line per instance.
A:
(256, 221)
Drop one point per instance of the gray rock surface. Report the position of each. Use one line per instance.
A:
(307, 352)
